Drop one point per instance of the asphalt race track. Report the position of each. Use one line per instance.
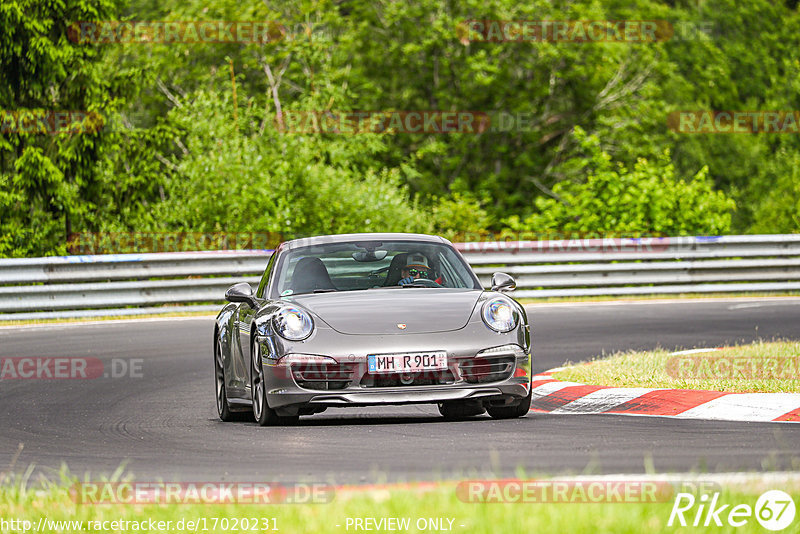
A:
(162, 425)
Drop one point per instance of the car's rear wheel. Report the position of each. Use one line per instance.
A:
(223, 408)
(456, 410)
(511, 412)
(264, 415)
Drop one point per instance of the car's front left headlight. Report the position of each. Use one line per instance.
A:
(500, 314)
(293, 324)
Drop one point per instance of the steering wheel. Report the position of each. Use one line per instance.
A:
(426, 282)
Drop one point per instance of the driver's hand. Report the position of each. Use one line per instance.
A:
(405, 281)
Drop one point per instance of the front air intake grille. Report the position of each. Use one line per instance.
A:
(323, 376)
(488, 368)
(423, 378)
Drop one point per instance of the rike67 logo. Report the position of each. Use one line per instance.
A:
(774, 510)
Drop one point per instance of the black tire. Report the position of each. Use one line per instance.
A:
(458, 410)
(511, 412)
(223, 408)
(263, 414)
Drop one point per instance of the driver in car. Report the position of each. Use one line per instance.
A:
(416, 268)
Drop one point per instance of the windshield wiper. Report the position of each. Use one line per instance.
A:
(325, 290)
(414, 285)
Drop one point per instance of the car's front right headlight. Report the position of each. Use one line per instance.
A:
(293, 324)
(500, 314)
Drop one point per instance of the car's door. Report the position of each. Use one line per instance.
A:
(244, 317)
(244, 320)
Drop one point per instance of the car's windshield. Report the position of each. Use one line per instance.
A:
(366, 265)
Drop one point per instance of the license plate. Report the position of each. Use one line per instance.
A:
(406, 363)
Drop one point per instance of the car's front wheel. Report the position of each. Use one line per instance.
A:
(264, 415)
(511, 412)
(223, 408)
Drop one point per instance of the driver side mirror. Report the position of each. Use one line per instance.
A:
(241, 292)
(503, 282)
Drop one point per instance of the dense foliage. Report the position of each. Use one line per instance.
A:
(191, 136)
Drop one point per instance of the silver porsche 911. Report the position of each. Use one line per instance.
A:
(371, 319)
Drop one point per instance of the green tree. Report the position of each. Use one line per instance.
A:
(776, 198)
(245, 175)
(171, 120)
(49, 181)
(459, 216)
(648, 199)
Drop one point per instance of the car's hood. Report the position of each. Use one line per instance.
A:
(393, 311)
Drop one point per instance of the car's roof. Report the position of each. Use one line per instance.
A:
(344, 238)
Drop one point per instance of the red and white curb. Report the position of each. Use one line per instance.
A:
(554, 396)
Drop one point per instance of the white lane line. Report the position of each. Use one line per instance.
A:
(742, 301)
(552, 387)
(547, 375)
(693, 351)
(760, 305)
(745, 407)
(602, 400)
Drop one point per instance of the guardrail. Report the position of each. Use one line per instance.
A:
(75, 285)
(645, 266)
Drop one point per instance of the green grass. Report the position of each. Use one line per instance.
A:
(758, 367)
(53, 502)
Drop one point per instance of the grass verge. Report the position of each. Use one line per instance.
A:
(758, 367)
(52, 509)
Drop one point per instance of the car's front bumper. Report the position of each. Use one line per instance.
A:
(498, 376)
(289, 401)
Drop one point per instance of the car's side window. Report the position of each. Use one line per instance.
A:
(453, 272)
(262, 286)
